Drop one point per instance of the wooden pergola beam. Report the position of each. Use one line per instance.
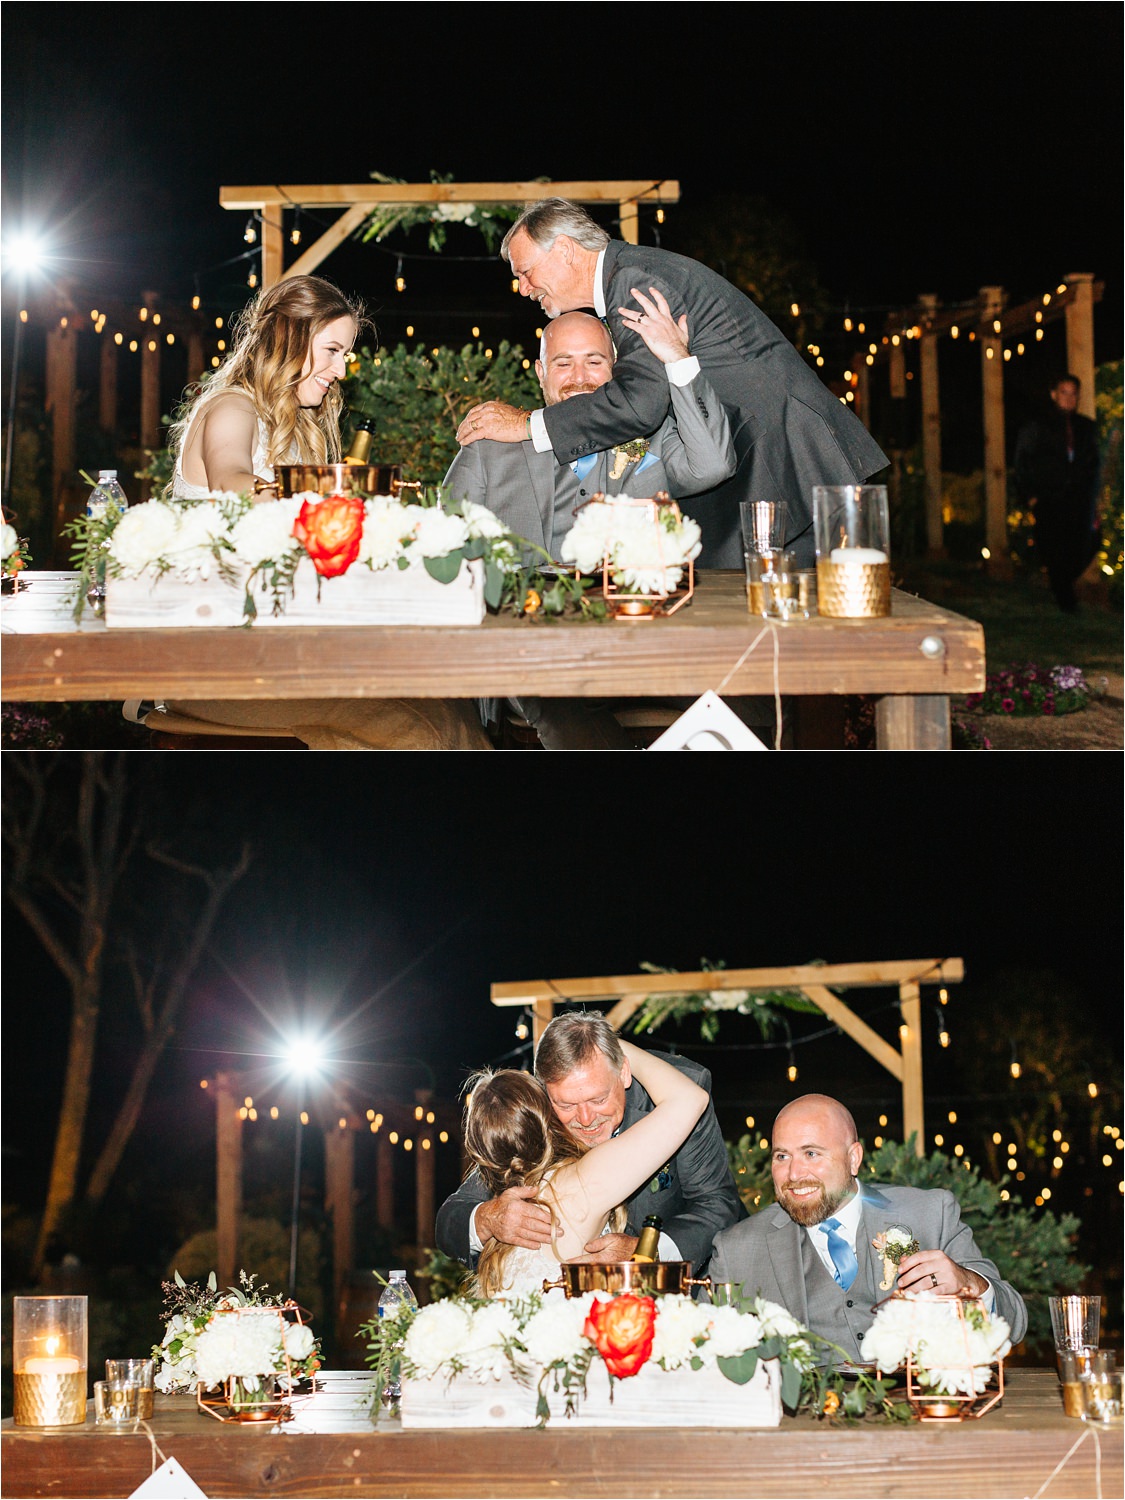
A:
(835, 976)
(328, 195)
(814, 980)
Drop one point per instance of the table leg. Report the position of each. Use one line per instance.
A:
(913, 722)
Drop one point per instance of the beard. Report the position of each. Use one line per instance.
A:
(584, 389)
(809, 1211)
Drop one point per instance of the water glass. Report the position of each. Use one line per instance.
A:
(139, 1373)
(1102, 1392)
(773, 585)
(764, 525)
(116, 1403)
(1075, 1322)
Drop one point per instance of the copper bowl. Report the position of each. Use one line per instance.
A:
(642, 1276)
(338, 479)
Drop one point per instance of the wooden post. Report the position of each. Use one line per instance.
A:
(1080, 338)
(913, 1115)
(424, 1187)
(541, 1013)
(931, 429)
(629, 226)
(384, 1180)
(150, 385)
(273, 253)
(228, 1176)
(107, 385)
(995, 457)
(62, 365)
(339, 1173)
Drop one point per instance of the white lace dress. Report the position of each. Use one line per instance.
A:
(525, 1271)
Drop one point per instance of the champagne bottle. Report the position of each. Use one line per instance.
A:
(361, 441)
(649, 1243)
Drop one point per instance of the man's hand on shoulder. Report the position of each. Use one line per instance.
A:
(496, 420)
(606, 1248)
(514, 1218)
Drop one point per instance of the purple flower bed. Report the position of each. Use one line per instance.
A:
(1024, 689)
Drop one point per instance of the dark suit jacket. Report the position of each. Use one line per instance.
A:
(790, 431)
(695, 1194)
(764, 1253)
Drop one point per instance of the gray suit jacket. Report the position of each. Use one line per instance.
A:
(764, 1253)
(790, 431)
(694, 1193)
(691, 451)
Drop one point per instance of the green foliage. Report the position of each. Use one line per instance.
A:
(766, 1007)
(750, 1167)
(491, 219)
(444, 1276)
(1032, 1248)
(418, 397)
(1109, 404)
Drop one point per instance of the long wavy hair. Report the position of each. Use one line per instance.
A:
(514, 1139)
(271, 341)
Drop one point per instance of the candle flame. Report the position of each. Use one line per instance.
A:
(53, 1345)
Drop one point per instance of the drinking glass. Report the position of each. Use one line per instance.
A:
(1102, 1391)
(764, 525)
(853, 571)
(772, 585)
(1073, 1366)
(137, 1372)
(115, 1402)
(1075, 1322)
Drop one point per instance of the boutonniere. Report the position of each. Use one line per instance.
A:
(893, 1244)
(663, 1179)
(627, 453)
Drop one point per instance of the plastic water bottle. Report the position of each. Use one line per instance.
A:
(397, 1293)
(107, 496)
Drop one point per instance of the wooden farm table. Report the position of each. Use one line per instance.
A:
(1024, 1447)
(911, 661)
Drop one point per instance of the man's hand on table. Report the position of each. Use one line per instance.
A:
(496, 420)
(514, 1218)
(933, 1271)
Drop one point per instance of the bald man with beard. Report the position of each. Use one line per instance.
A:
(812, 1250)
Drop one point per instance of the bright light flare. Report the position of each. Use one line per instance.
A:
(304, 1057)
(26, 253)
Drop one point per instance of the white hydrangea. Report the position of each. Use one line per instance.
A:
(730, 1333)
(242, 1344)
(555, 1331)
(438, 533)
(490, 1328)
(145, 534)
(646, 553)
(680, 1321)
(589, 539)
(439, 1334)
(193, 554)
(777, 1320)
(265, 532)
(9, 541)
(948, 1352)
(299, 1340)
(386, 530)
(481, 521)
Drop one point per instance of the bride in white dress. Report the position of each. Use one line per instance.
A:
(514, 1138)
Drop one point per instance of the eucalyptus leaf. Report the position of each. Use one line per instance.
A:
(740, 1367)
(444, 569)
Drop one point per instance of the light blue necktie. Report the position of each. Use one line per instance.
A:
(843, 1256)
(582, 466)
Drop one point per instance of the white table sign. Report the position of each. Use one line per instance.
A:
(708, 725)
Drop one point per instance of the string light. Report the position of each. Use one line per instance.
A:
(250, 233)
(1014, 1066)
(295, 232)
(400, 279)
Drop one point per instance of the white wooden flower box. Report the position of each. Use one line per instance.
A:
(653, 1397)
(391, 596)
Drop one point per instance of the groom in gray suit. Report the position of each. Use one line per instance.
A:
(790, 431)
(812, 1250)
(538, 498)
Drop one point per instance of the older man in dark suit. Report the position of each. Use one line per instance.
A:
(790, 431)
(580, 1063)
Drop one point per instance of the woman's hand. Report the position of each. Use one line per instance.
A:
(664, 335)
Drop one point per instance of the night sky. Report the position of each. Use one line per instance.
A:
(917, 149)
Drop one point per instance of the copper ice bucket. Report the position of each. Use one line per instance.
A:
(642, 1276)
(339, 479)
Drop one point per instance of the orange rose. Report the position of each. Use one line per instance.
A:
(330, 532)
(532, 602)
(622, 1329)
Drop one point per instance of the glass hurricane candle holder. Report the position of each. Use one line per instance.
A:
(853, 555)
(49, 1343)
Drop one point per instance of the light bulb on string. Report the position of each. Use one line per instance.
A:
(295, 232)
(1014, 1066)
(792, 1069)
(400, 279)
(250, 233)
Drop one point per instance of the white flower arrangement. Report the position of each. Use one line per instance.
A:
(539, 1339)
(261, 544)
(239, 1335)
(647, 545)
(952, 1350)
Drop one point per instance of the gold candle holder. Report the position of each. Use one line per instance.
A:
(49, 1361)
(853, 591)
